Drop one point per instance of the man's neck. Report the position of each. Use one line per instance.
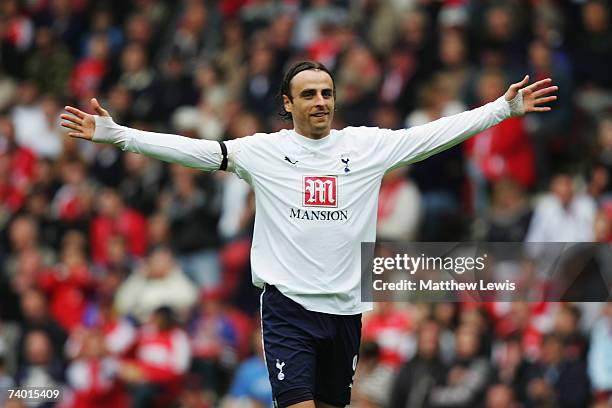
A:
(311, 135)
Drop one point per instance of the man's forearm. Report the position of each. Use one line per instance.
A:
(200, 154)
(446, 132)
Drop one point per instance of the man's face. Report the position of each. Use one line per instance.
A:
(312, 107)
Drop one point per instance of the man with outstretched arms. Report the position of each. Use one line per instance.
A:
(316, 192)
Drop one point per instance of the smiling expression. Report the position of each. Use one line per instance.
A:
(311, 103)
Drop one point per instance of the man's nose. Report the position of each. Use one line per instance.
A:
(319, 100)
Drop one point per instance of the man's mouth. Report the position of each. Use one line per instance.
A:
(319, 114)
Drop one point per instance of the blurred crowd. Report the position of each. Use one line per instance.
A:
(125, 281)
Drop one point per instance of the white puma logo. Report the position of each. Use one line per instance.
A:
(279, 365)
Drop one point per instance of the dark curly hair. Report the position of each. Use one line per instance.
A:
(295, 69)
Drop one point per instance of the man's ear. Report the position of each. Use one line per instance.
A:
(287, 104)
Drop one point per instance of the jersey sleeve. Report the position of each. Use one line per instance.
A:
(196, 153)
(400, 147)
(244, 154)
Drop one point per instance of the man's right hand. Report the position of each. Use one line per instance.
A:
(81, 124)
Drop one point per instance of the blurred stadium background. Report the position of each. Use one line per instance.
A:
(126, 281)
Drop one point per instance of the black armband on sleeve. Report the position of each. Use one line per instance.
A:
(223, 165)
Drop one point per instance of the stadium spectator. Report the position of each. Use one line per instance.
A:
(141, 183)
(72, 204)
(89, 73)
(550, 131)
(563, 215)
(214, 340)
(511, 366)
(603, 156)
(102, 23)
(399, 208)
(138, 77)
(229, 57)
(500, 396)
(107, 166)
(438, 179)
(378, 23)
(116, 219)
(556, 379)
(599, 364)
(37, 318)
(158, 282)
(373, 379)
(313, 18)
(416, 377)
(6, 380)
(500, 152)
(468, 375)
(159, 230)
(35, 121)
(509, 215)
(391, 328)
(261, 82)
(19, 31)
(192, 206)
(174, 88)
(566, 327)
(251, 383)
(41, 366)
(93, 376)
(139, 29)
(528, 321)
(446, 314)
(356, 82)
(455, 62)
(162, 357)
(50, 63)
(593, 46)
(67, 285)
(17, 168)
(28, 256)
(235, 217)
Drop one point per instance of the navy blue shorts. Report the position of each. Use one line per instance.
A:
(310, 355)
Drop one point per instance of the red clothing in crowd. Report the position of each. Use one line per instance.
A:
(23, 165)
(130, 225)
(504, 151)
(119, 336)
(11, 197)
(539, 321)
(231, 8)
(87, 76)
(324, 50)
(391, 330)
(94, 384)
(163, 356)
(67, 290)
(68, 204)
(387, 197)
(19, 31)
(20, 174)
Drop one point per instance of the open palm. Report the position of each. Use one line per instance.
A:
(82, 124)
(534, 95)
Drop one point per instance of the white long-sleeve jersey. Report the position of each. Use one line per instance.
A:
(316, 200)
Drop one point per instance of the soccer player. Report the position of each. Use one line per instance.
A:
(316, 196)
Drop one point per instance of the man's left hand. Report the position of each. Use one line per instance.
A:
(534, 95)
